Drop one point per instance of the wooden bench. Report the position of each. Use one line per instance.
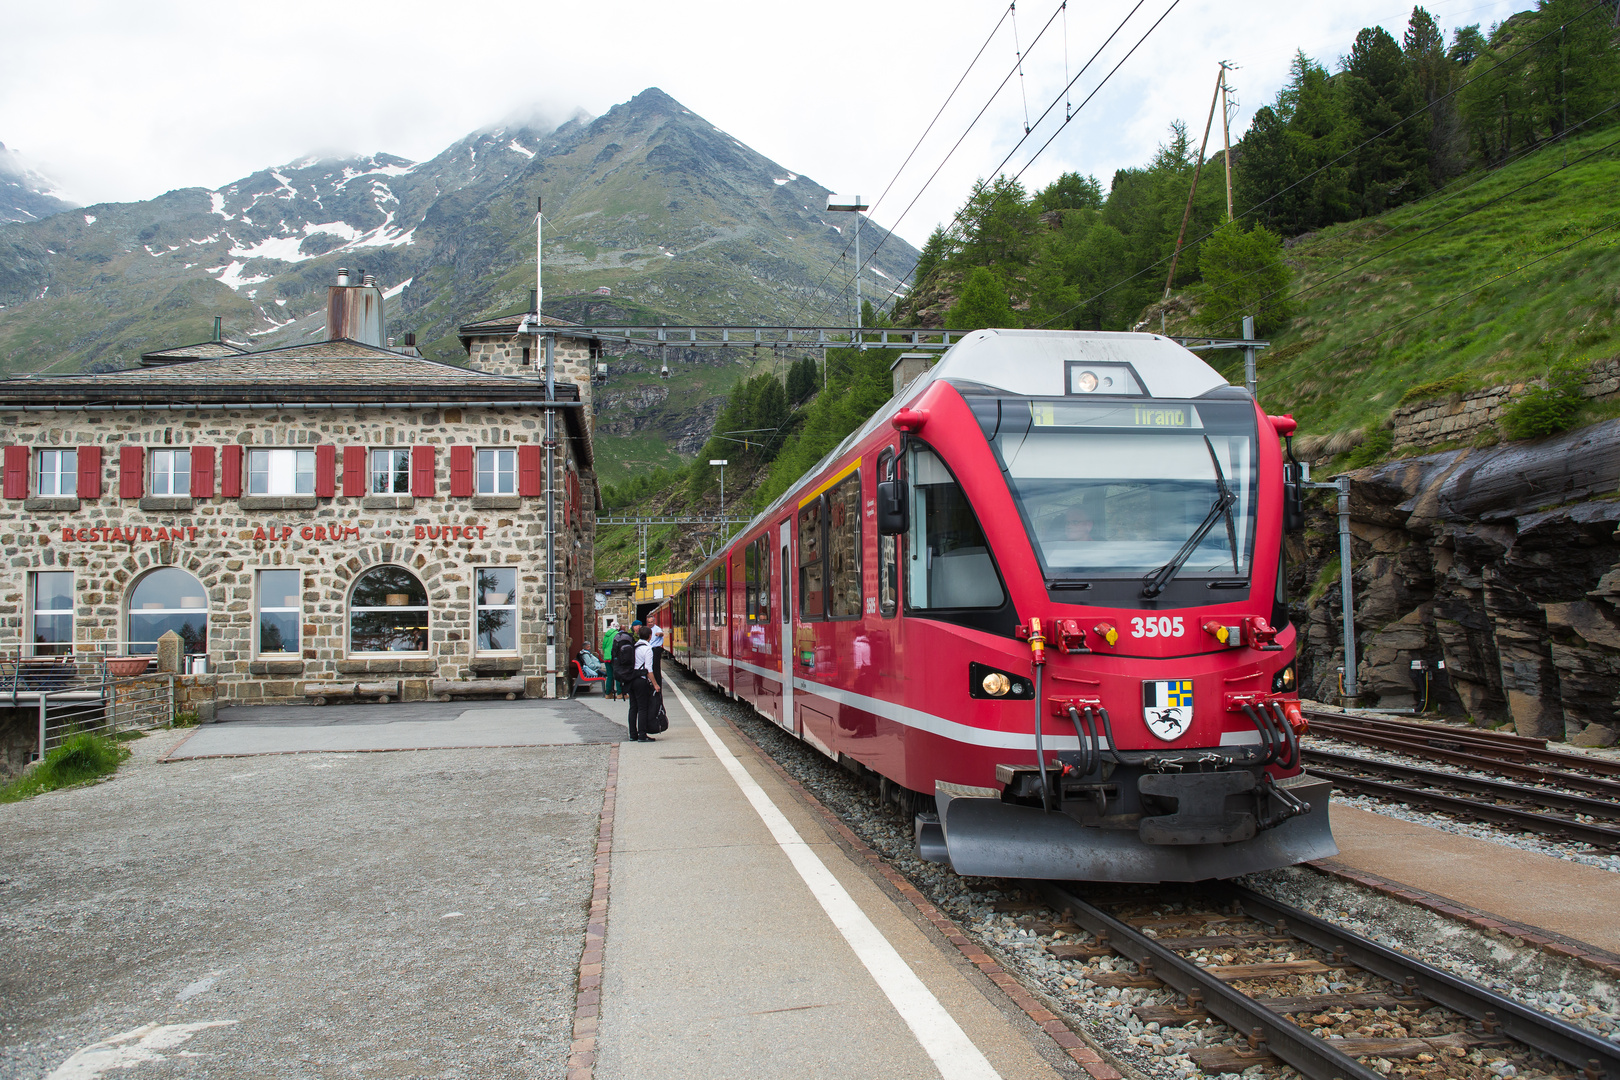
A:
(321, 693)
(582, 679)
(445, 689)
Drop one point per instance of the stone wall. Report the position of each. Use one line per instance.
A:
(109, 543)
(1504, 563)
(1464, 418)
(571, 361)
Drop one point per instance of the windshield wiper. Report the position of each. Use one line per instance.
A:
(1154, 583)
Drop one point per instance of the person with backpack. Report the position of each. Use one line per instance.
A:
(621, 654)
(644, 688)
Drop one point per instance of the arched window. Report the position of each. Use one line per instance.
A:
(167, 599)
(388, 612)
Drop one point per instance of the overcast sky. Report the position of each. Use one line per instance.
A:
(121, 101)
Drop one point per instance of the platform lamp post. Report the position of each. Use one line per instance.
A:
(854, 206)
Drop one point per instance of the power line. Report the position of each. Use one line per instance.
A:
(1446, 224)
(1275, 195)
(1469, 292)
(1071, 115)
(948, 99)
(957, 145)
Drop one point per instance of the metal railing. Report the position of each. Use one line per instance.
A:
(79, 693)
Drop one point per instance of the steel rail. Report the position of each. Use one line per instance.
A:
(1552, 800)
(1597, 785)
(1521, 748)
(1573, 1045)
(1528, 820)
(1315, 1058)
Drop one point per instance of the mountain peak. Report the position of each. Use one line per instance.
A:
(25, 193)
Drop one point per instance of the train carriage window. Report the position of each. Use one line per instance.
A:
(948, 561)
(721, 600)
(762, 559)
(812, 590)
(888, 586)
(751, 580)
(787, 576)
(844, 548)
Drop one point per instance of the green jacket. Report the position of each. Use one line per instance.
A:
(607, 645)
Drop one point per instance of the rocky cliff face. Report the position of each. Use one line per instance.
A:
(25, 193)
(1502, 562)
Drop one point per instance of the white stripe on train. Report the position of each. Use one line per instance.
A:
(948, 729)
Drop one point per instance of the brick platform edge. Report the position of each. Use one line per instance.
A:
(1546, 940)
(588, 999)
(1076, 1046)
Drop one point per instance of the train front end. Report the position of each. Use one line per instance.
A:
(1133, 504)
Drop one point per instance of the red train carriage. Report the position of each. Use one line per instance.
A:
(1058, 548)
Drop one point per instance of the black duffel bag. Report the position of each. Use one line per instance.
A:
(659, 721)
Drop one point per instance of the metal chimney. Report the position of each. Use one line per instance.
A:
(217, 335)
(355, 311)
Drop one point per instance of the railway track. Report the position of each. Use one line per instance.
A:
(1542, 810)
(1450, 1042)
(1514, 756)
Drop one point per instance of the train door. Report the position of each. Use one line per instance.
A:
(786, 607)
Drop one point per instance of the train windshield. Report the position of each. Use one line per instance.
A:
(1120, 488)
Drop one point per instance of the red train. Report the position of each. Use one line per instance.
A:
(1058, 548)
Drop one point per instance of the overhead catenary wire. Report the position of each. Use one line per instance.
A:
(1318, 171)
(1075, 112)
(920, 139)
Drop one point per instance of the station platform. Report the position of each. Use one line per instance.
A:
(741, 939)
(1569, 899)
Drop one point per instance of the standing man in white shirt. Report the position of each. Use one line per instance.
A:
(643, 685)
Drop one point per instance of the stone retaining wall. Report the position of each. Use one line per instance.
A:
(1463, 418)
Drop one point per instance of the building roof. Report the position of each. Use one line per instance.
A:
(200, 350)
(508, 325)
(324, 374)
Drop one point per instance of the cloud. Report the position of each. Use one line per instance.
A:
(178, 93)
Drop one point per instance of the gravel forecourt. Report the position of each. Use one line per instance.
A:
(365, 915)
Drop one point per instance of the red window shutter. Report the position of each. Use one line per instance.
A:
(354, 472)
(422, 464)
(230, 471)
(325, 470)
(529, 472)
(89, 472)
(461, 472)
(16, 472)
(131, 472)
(202, 472)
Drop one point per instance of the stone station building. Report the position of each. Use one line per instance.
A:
(308, 517)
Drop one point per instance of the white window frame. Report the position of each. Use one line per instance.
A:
(511, 605)
(170, 472)
(35, 611)
(260, 607)
(390, 472)
(61, 476)
(282, 471)
(495, 466)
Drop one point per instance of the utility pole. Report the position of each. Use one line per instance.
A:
(1226, 139)
(1187, 213)
(722, 462)
(547, 342)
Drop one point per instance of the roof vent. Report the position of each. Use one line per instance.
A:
(343, 275)
(371, 280)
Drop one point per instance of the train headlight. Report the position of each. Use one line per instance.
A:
(996, 684)
(1085, 382)
(1283, 681)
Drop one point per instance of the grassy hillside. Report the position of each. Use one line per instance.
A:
(1476, 284)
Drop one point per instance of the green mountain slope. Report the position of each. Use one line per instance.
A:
(1502, 275)
(680, 220)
